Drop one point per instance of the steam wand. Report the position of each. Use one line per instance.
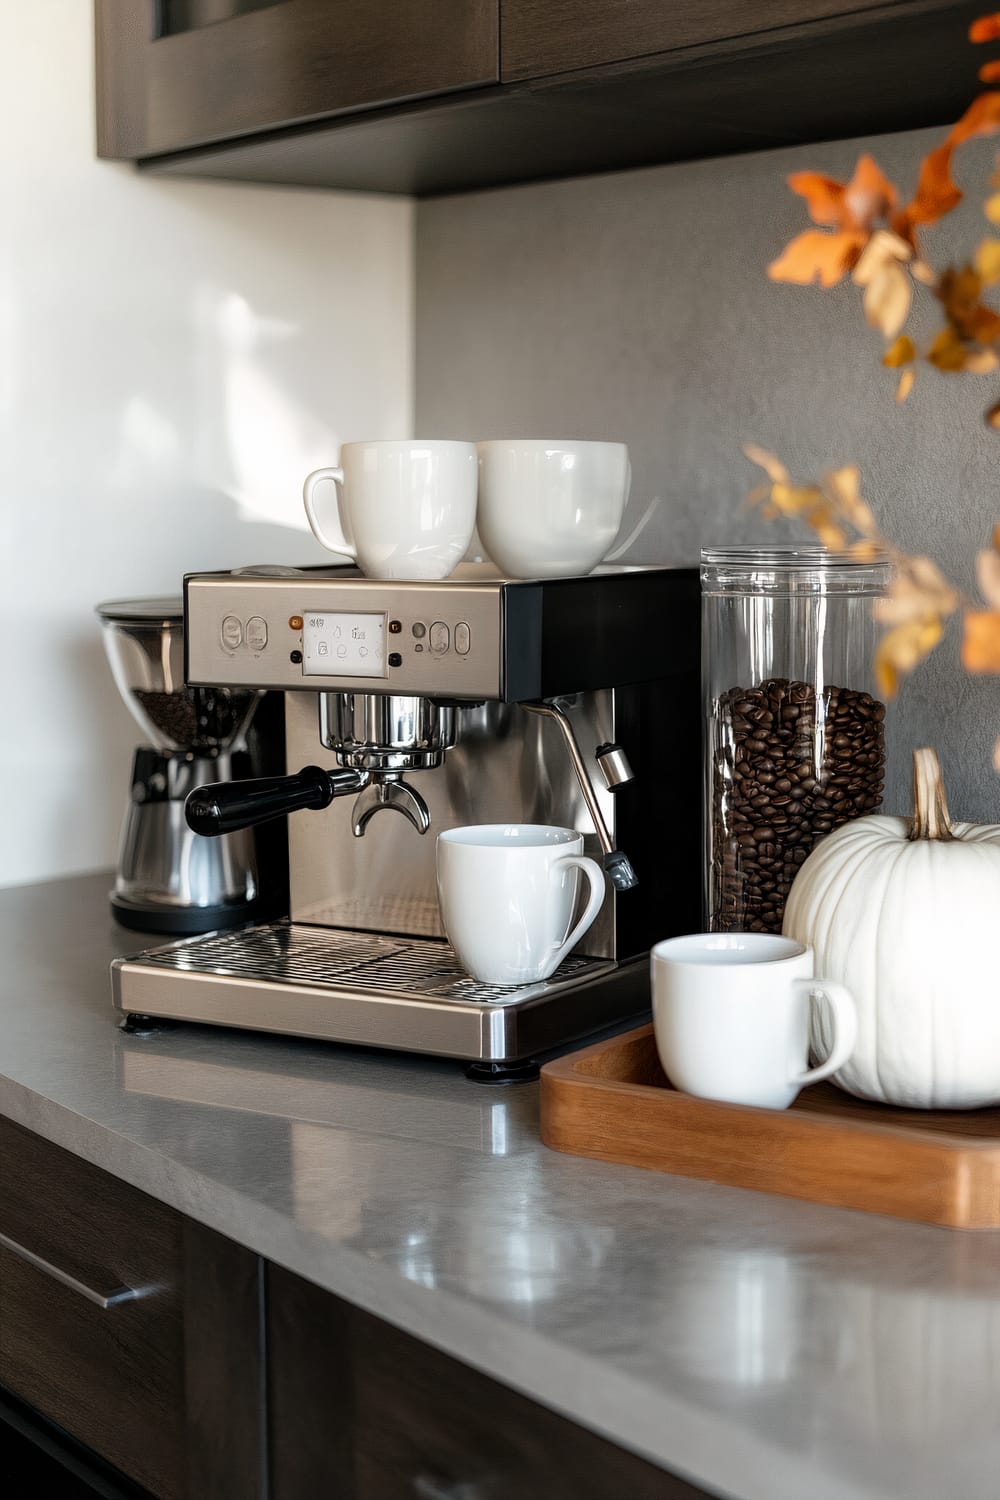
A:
(615, 861)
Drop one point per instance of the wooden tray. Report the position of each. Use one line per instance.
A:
(613, 1101)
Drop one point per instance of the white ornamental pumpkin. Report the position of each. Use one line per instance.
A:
(907, 915)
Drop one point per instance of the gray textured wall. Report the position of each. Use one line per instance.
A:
(635, 306)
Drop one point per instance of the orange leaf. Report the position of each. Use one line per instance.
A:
(990, 72)
(868, 197)
(986, 29)
(844, 485)
(814, 256)
(921, 271)
(936, 194)
(901, 352)
(991, 208)
(995, 539)
(905, 385)
(993, 417)
(981, 118)
(984, 325)
(996, 755)
(824, 197)
(981, 641)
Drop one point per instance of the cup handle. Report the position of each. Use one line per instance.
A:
(308, 490)
(845, 1027)
(595, 876)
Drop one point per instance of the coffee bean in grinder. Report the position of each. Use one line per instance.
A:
(795, 735)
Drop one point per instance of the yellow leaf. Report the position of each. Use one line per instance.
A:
(866, 551)
(887, 300)
(991, 208)
(759, 495)
(921, 271)
(918, 590)
(995, 539)
(988, 576)
(905, 385)
(987, 261)
(947, 351)
(981, 362)
(899, 353)
(844, 485)
(902, 648)
(794, 499)
(773, 467)
(993, 417)
(981, 641)
(996, 756)
(883, 249)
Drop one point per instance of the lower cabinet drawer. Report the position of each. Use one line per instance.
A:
(91, 1315)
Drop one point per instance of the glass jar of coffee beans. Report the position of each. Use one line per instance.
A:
(795, 735)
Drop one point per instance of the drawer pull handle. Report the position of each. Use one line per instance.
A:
(102, 1299)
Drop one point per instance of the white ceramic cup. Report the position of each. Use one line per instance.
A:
(507, 893)
(550, 509)
(731, 1015)
(407, 509)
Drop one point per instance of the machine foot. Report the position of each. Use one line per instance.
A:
(137, 1024)
(500, 1072)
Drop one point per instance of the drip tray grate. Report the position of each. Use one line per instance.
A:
(336, 960)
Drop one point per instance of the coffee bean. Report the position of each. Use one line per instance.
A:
(790, 768)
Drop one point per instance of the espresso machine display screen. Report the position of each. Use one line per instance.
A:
(343, 645)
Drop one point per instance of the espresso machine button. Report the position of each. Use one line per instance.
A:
(232, 633)
(463, 638)
(440, 638)
(256, 633)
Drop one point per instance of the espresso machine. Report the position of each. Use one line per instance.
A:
(412, 707)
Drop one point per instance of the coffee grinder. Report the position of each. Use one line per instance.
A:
(168, 879)
(411, 707)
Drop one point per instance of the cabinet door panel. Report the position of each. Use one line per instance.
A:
(362, 1411)
(554, 36)
(290, 62)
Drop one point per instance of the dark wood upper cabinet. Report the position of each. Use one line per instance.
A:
(539, 37)
(177, 74)
(436, 96)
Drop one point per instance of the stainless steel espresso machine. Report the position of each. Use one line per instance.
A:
(415, 707)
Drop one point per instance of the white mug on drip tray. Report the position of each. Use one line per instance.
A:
(407, 509)
(731, 1016)
(507, 893)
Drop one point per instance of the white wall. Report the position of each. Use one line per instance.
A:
(174, 357)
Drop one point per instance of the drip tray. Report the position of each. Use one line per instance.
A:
(410, 994)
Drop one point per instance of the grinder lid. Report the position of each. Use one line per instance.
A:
(166, 609)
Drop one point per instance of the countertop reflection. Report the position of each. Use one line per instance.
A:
(761, 1347)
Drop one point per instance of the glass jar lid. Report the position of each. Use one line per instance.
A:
(794, 568)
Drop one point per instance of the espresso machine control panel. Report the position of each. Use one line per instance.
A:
(327, 632)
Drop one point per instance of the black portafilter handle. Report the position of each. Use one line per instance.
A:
(227, 806)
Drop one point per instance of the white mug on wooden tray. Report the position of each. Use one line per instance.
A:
(731, 1016)
(406, 509)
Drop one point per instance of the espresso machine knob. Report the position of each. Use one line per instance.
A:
(225, 806)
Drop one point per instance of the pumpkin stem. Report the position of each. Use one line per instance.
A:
(930, 809)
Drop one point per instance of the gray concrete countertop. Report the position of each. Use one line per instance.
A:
(763, 1348)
